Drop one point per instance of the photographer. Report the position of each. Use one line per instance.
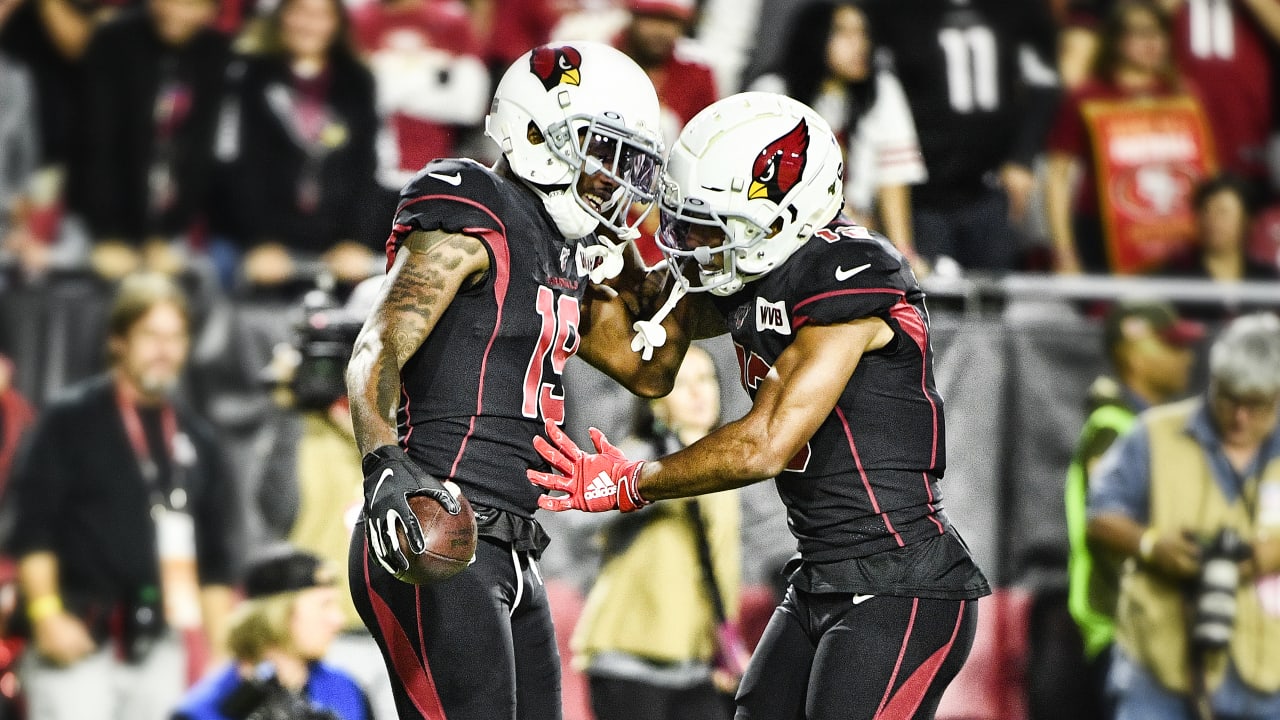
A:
(1191, 496)
(310, 490)
(290, 616)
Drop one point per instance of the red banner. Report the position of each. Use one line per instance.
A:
(1149, 154)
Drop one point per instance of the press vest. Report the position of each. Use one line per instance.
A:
(1154, 613)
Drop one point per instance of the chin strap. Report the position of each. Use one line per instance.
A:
(604, 260)
(650, 334)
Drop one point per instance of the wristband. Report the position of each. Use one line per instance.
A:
(42, 607)
(1147, 545)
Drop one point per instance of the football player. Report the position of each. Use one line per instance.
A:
(832, 337)
(489, 292)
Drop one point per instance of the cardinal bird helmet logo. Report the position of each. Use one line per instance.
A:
(780, 164)
(556, 66)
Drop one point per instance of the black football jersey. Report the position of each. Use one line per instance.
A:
(477, 391)
(867, 480)
(981, 81)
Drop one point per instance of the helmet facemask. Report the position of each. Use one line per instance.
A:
(726, 244)
(581, 113)
(625, 164)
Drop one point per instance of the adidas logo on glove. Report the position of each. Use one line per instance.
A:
(601, 486)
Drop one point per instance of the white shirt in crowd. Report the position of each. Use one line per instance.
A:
(882, 150)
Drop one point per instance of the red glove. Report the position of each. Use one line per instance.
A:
(596, 482)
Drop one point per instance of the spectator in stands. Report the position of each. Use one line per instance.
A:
(653, 38)
(152, 82)
(431, 83)
(49, 38)
(1129, 212)
(302, 178)
(864, 105)
(1225, 49)
(16, 415)
(19, 156)
(1190, 496)
(675, 564)
(278, 637)
(980, 79)
(1222, 205)
(126, 525)
(508, 28)
(1150, 351)
(310, 492)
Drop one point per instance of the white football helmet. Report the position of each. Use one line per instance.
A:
(594, 111)
(763, 169)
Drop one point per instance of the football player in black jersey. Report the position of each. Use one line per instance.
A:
(832, 337)
(489, 292)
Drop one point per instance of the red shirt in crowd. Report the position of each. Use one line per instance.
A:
(1219, 47)
(1070, 136)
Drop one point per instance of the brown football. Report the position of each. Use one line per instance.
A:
(451, 540)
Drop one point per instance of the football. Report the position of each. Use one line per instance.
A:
(451, 540)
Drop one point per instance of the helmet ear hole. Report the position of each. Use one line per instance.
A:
(534, 135)
(776, 227)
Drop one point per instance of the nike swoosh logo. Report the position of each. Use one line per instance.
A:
(859, 599)
(842, 274)
(454, 179)
(385, 474)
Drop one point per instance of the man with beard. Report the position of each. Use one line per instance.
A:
(125, 519)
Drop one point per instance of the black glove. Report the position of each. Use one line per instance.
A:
(390, 478)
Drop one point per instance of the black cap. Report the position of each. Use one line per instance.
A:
(1131, 319)
(286, 570)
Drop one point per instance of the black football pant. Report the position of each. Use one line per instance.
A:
(478, 646)
(827, 657)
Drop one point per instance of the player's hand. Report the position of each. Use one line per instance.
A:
(390, 479)
(593, 482)
(62, 638)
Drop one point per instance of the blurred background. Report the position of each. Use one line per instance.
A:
(1037, 161)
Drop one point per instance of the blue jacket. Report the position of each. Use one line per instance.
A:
(327, 688)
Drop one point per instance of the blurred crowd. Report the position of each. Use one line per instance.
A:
(262, 141)
(255, 148)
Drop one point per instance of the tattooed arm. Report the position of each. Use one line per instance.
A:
(429, 270)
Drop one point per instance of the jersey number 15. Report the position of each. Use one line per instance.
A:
(559, 339)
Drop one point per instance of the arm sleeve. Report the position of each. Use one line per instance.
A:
(363, 150)
(218, 524)
(40, 482)
(1122, 479)
(99, 123)
(898, 160)
(278, 494)
(1068, 134)
(1042, 90)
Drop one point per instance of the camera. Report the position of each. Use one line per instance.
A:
(262, 697)
(1215, 595)
(324, 337)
